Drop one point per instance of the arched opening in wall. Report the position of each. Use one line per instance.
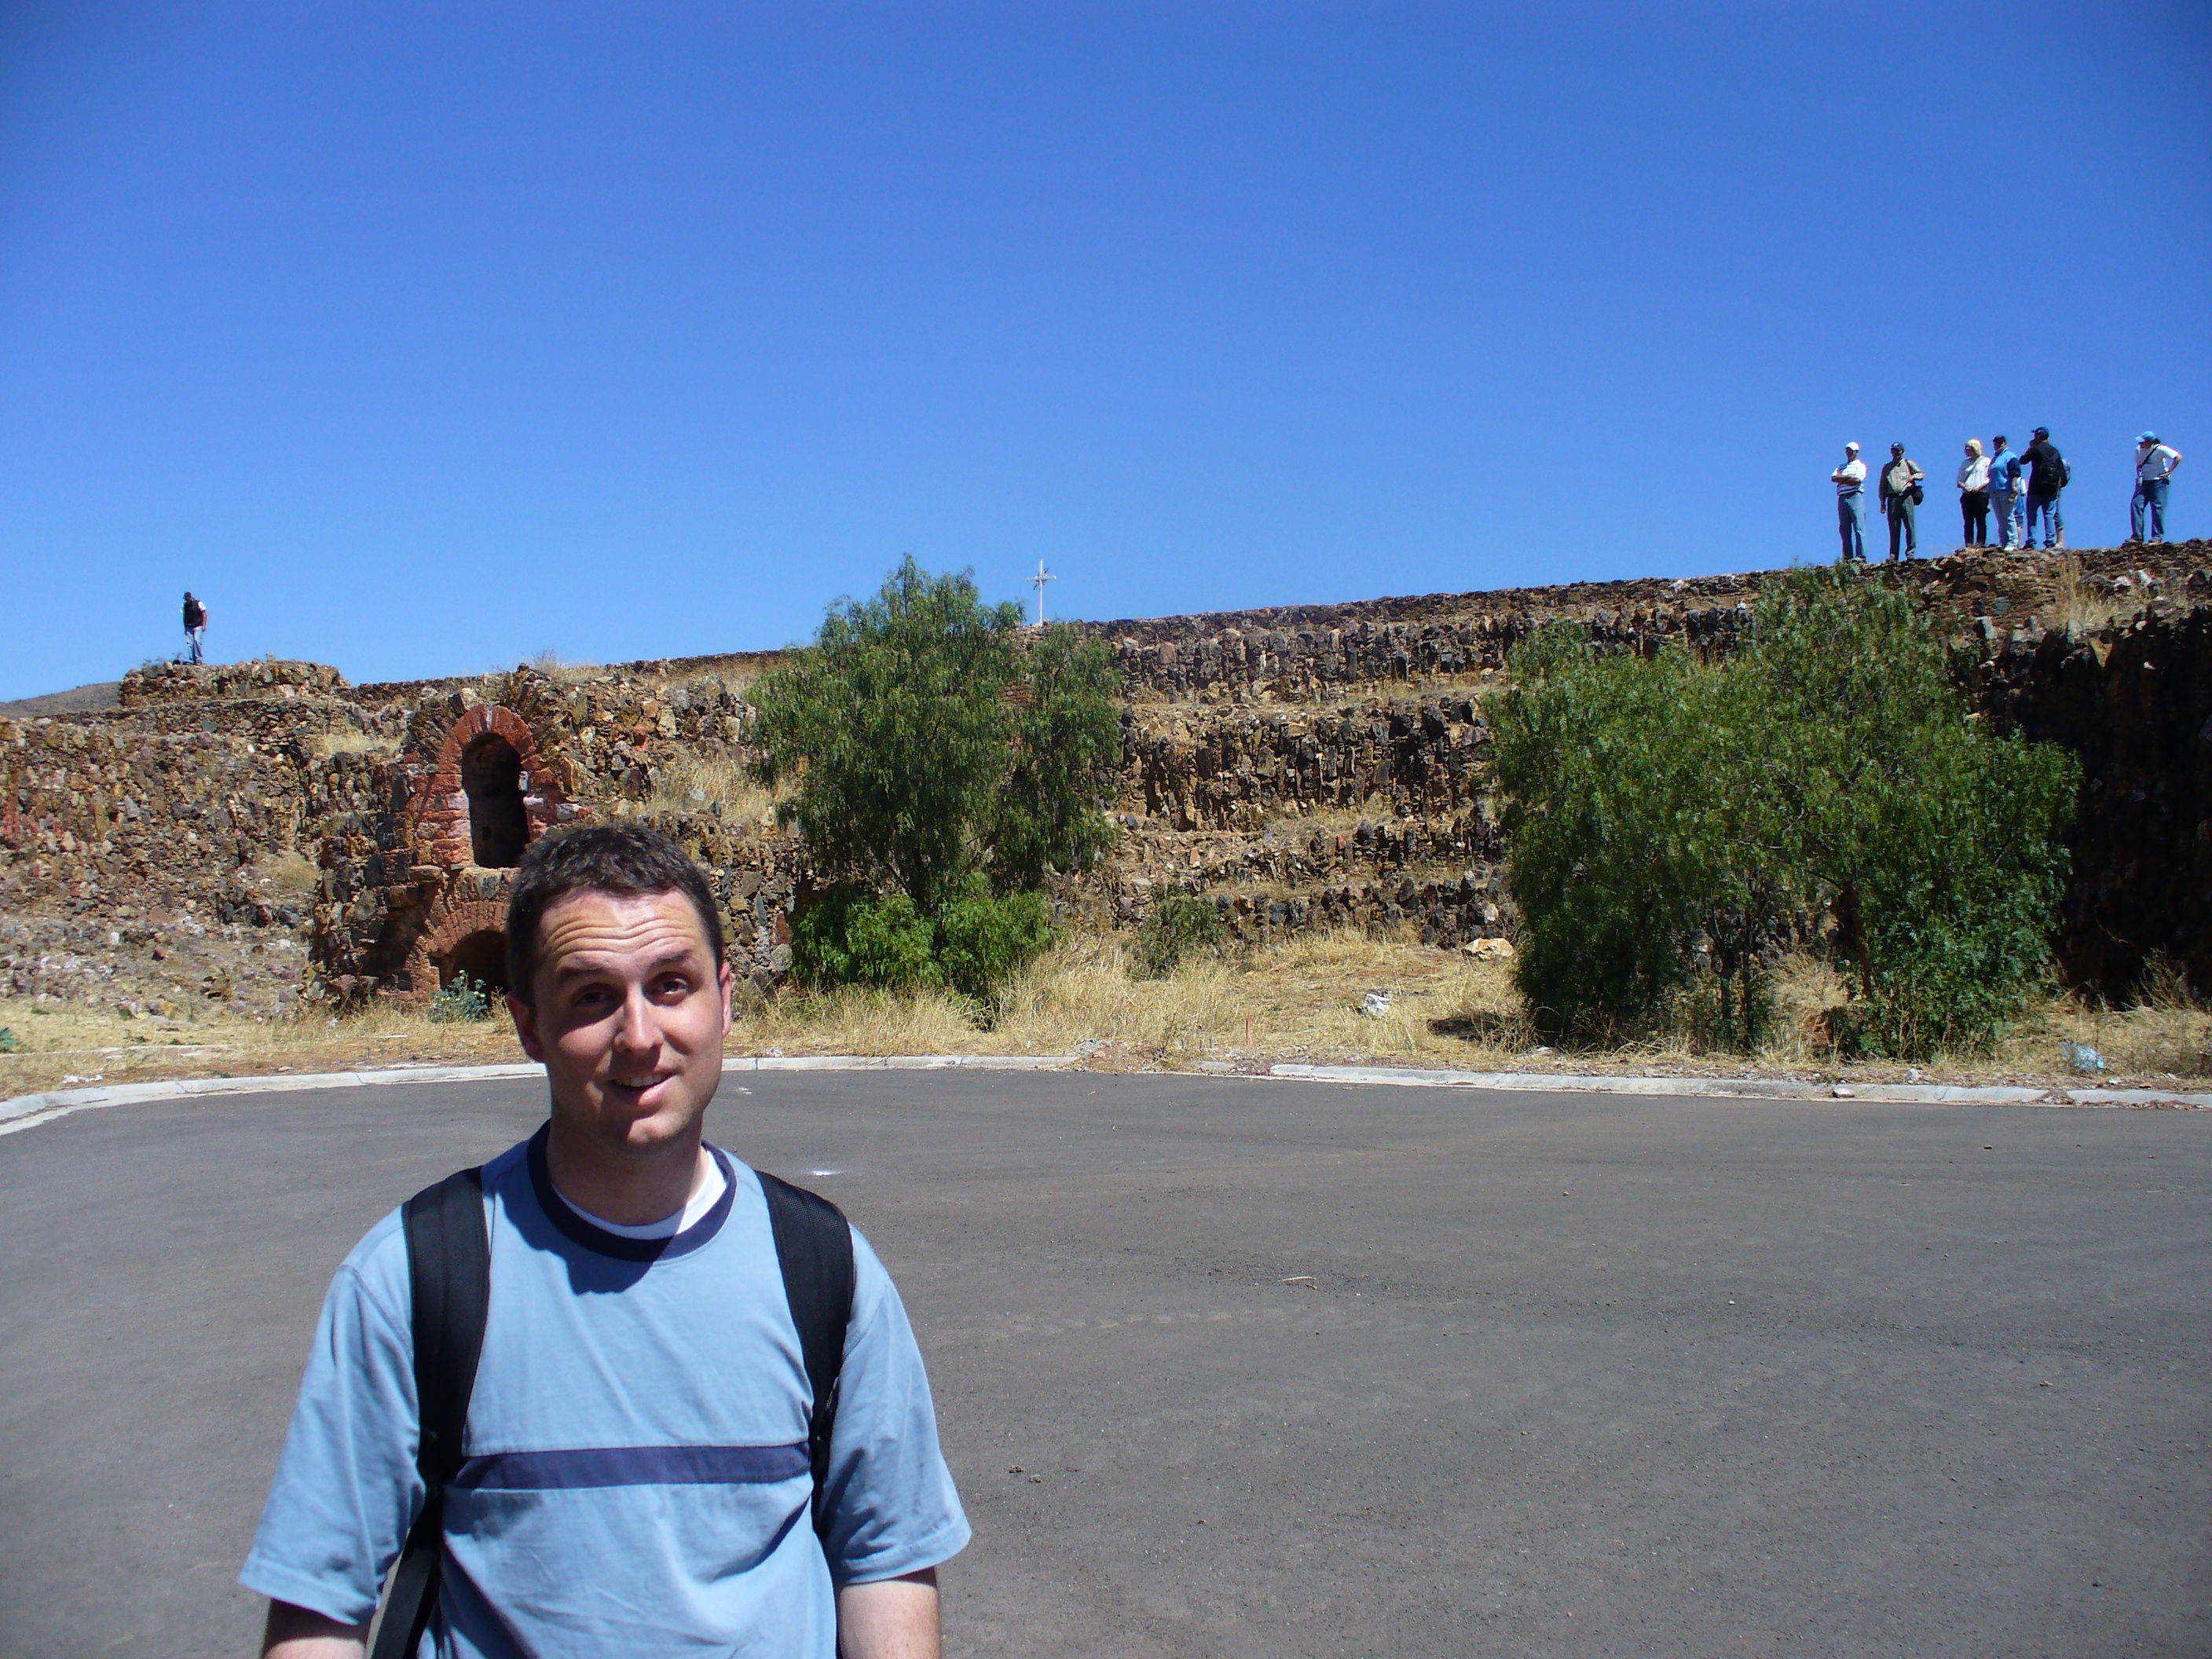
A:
(491, 774)
(482, 955)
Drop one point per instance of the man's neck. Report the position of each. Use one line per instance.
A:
(631, 1190)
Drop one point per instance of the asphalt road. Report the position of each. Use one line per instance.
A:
(1558, 1374)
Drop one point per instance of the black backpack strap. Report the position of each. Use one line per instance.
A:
(814, 1247)
(449, 1269)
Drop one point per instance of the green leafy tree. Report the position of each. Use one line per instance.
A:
(895, 729)
(1934, 845)
(1610, 832)
(940, 760)
(1668, 822)
(1066, 745)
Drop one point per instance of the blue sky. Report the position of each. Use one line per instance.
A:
(418, 338)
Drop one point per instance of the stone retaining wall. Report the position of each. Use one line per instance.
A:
(1307, 766)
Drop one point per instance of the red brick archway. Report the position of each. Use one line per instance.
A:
(441, 820)
(451, 921)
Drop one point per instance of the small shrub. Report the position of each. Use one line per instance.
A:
(1178, 926)
(461, 1003)
(853, 936)
(9, 1043)
(983, 942)
(2163, 985)
(1738, 1012)
(850, 937)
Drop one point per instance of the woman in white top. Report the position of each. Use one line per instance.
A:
(1974, 494)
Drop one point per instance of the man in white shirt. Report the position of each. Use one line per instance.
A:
(1849, 480)
(2154, 465)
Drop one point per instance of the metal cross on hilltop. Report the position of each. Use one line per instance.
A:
(1038, 581)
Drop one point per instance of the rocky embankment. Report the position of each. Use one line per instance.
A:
(219, 829)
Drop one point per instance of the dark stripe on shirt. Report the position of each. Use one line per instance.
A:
(634, 1466)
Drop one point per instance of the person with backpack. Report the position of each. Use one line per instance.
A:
(1974, 494)
(2050, 476)
(613, 1393)
(1849, 480)
(1902, 490)
(2154, 465)
(195, 625)
(2004, 493)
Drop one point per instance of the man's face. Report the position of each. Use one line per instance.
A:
(630, 1017)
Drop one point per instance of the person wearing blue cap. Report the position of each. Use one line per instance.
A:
(2154, 465)
(2004, 493)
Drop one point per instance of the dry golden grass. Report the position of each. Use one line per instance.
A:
(550, 664)
(2075, 602)
(1300, 1000)
(324, 744)
(289, 872)
(679, 776)
(61, 1044)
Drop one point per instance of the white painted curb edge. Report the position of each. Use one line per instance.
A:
(1926, 1094)
(26, 1111)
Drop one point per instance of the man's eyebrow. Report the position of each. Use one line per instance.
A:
(575, 967)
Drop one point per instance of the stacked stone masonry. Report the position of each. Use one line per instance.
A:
(285, 833)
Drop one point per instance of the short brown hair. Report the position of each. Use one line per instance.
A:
(627, 859)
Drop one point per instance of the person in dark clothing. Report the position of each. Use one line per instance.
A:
(1900, 493)
(2048, 478)
(195, 625)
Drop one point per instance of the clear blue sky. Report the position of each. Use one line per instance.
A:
(417, 339)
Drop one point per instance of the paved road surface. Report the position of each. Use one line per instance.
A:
(1571, 1376)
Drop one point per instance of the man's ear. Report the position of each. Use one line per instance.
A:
(727, 977)
(526, 1027)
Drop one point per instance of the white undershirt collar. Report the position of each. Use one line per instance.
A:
(695, 1208)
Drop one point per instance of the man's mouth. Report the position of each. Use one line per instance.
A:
(636, 1090)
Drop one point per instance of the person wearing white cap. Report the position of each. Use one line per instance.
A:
(1974, 494)
(2154, 465)
(1849, 480)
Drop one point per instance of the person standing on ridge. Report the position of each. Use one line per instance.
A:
(195, 625)
(1974, 494)
(1849, 480)
(2154, 465)
(2004, 492)
(2051, 475)
(1901, 492)
(613, 1394)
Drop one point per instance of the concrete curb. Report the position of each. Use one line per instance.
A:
(1718, 1087)
(28, 1111)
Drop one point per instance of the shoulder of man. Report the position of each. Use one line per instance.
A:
(378, 1262)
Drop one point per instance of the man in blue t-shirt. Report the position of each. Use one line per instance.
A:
(637, 1478)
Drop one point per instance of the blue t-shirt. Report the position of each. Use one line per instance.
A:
(636, 1480)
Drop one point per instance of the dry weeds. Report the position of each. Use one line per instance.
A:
(694, 783)
(324, 744)
(1300, 1000)
(288, 871)
(63, 1044)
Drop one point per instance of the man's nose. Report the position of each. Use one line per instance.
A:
(634, 1030)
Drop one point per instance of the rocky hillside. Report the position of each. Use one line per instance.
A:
(257, 833)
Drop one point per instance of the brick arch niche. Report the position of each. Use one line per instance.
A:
(490, 795)
(459, 936)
